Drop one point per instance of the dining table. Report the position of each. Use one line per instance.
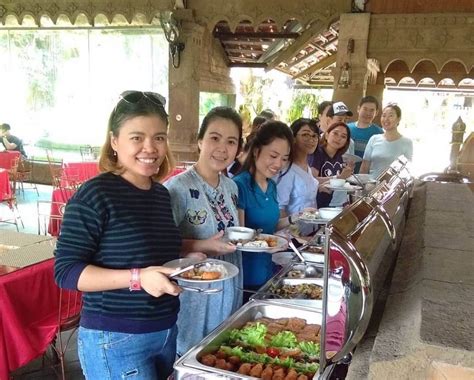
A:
(29, 299)
(7, 158)
(5, 188)
(78, 172)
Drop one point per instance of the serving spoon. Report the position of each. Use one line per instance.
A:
(310, 270)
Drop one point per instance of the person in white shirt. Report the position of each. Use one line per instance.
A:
(382, 150)
(296, 186)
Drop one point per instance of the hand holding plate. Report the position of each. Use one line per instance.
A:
(155, 282)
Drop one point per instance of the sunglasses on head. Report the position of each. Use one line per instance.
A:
(134, 97)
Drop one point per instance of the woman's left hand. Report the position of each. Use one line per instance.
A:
(216, 246)
(196, 255)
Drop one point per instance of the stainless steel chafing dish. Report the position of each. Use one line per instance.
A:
(189, 366)
(293, 275)
(359, 248)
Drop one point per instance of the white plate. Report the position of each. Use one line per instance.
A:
(363, 178)
(344, 188)
(282, 243)
(230, 269)
(314, 221)
(351, 157)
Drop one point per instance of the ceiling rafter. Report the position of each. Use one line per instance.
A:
(322, 64)
(316, 28)
(275, 35)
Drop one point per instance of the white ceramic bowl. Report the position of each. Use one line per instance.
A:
(240, 233)
(337, 182)
(329, 212)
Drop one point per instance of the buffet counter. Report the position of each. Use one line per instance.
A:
(310, 316)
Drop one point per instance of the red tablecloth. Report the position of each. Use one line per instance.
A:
(58, 197)
(29, 301)
(5, 190)
(79, 171)
(7, 158)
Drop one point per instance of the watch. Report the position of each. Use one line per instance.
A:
(135, 280)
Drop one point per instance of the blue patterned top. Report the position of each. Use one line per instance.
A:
(200, 211)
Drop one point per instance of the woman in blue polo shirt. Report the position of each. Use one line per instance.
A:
(269, 153)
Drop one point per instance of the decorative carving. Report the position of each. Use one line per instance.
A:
(413, 38)
(89, 8)
(210, 12)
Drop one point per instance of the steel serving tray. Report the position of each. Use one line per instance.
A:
(189, 366)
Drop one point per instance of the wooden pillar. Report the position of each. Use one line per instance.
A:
(353, 26)
(184, 94)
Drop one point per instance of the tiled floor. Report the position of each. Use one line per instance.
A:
(28, 210)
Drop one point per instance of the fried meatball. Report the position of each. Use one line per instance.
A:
(292, 374)
(257, 370)
(209, 360)
(267, 373)
(221, 364)
(245, 368)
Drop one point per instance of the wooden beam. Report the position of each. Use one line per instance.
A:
(244, 43)
(244, 51)
(322, 64)
(305, 57)
(256, 35)
(315, 29)
(254, 65)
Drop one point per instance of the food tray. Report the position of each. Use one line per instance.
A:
(254, 309)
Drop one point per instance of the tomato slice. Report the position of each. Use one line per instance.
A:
(273, 352)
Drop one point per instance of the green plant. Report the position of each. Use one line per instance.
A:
(301, 101)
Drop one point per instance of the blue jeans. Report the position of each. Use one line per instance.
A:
(109, 355)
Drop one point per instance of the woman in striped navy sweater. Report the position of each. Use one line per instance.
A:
(118, 230)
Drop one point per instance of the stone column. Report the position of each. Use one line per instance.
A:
(184, 94)
(352, 26)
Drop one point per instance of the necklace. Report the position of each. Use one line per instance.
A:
(216, 201)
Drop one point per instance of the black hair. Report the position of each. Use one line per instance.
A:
(322, 106)
(5, 127)
(324, 141)
(267, 113)
(301, 122)
(369, 99)
(221, 112)
(269, 131)
(396, 108)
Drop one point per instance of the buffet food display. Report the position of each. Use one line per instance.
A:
(310, 316)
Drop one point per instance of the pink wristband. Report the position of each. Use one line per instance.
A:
(135, 280)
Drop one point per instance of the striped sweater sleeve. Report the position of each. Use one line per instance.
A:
(80, 234)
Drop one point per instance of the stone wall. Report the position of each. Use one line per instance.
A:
(427, 329)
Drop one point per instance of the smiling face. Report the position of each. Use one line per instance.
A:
(141, 146)
(271, 158)
(389, 119)
(367, 112)
(337, 138)
(219, 145)
(306, 140)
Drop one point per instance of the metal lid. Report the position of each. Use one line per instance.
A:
(357, 242)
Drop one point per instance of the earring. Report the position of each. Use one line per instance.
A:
(115, 153)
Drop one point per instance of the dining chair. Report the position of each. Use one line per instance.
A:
(86, 153)
(25, 174)
(50, 215)
(10, 199)
(65, 181)
(68, 317)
